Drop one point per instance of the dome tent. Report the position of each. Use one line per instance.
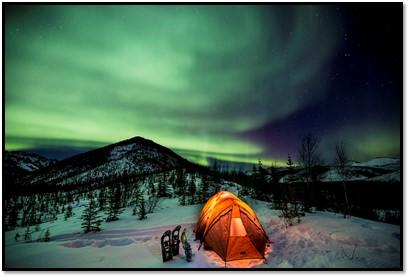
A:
(228, 226)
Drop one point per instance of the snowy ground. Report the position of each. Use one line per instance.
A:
(322, 240)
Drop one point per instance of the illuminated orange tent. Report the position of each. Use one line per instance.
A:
(230, 227)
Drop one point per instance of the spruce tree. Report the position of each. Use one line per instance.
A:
(215, 166)
(91, 221)
(137, 198)
(12, 215)
(27, 234)
(152, 189)
(142, 213)
(102, 199)
(192, 191)
(258, 180)
(183, 195)
(273, 174)
(68, 212)
(153, 197)
(182, 200)
(180, 182)
(290, 165)
(47, 235)
(162, 186)
(260, 168)
(203, 192)
(114, 207)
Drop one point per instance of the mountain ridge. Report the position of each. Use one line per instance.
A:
(123, 160)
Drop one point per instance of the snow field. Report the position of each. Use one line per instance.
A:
(322, 240)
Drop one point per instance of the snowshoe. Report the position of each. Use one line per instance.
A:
(175, 240)
(166, 246)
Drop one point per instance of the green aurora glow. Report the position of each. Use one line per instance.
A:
(187, 77)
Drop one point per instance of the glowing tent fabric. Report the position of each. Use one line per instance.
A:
(228, 226)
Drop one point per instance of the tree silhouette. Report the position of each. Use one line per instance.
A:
(90, 220)
(342, 170)
(309, 159)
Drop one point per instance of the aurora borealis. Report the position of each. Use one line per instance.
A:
(231, 82)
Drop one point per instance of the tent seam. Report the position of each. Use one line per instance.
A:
(229, 235)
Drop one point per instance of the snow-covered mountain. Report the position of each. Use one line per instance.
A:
(26, 161)
(18, 164)
(117, 162)
(380, 162)
(378, 169)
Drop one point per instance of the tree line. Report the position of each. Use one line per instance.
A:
(108, 203)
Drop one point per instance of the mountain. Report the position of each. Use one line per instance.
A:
(18, 164)
(119, 162)
(377, 169)
(381, 163)
(26, 161)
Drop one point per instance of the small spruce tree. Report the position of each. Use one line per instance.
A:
(102, 199)
(180, 182)
(27, 234)
(290, 167)
(203, 191)
(183, 197)
(163, 190)
(192, 191)
(68, 212)
(153, 197)
(142, 213)
(114, 207)
(12, 215)
(17, 237)
(91, 221)
(47, 235)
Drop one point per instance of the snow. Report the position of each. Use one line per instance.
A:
(377, 169)
(122, 160)
(290, 179)
(390, 177)
(27, 161)
(119, 151)
(378, 162)
(321, 240)
(332, 176)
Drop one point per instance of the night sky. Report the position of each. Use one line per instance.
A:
(236, 83)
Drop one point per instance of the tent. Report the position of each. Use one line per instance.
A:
(228, 226)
